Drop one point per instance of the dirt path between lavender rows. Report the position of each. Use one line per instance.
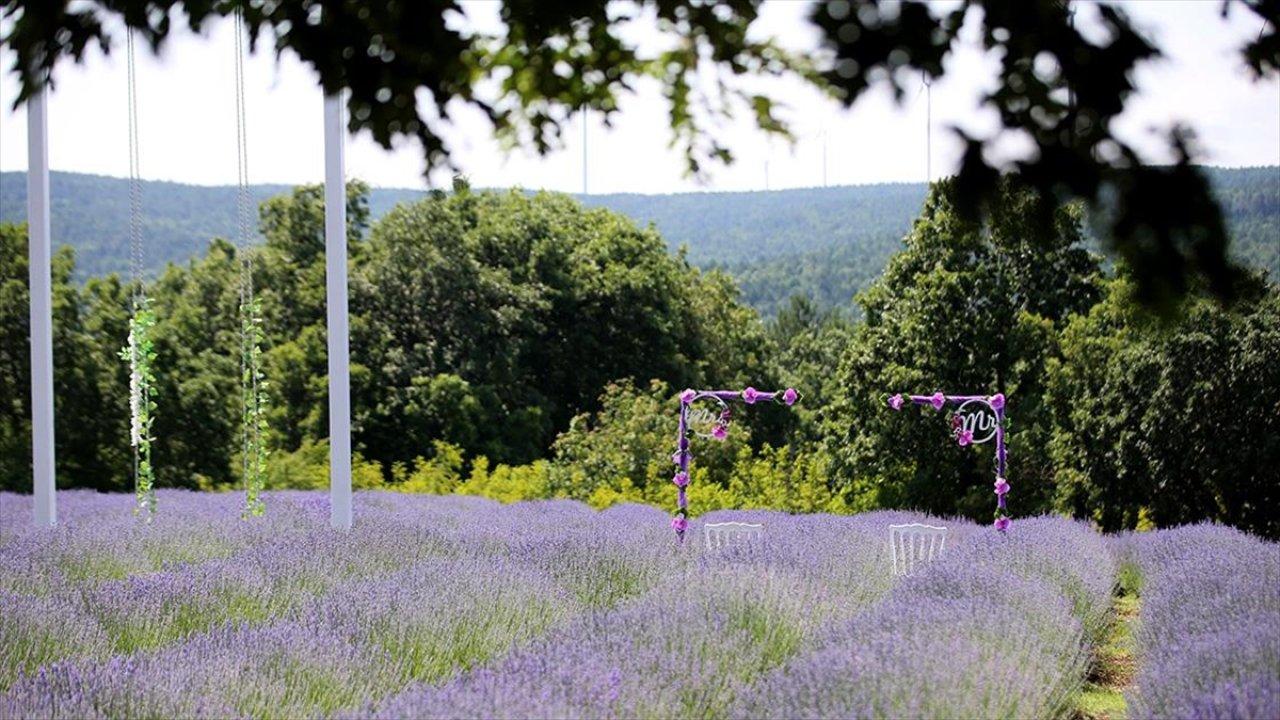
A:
(1113, 661)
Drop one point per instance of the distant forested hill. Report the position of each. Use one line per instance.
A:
(1250, 198)
(91, 214)
(742, 227)
(826, 243)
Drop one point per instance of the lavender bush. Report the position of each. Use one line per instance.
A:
(461, 607)
(1208, 639)
(998, 628)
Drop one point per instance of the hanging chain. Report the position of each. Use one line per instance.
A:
(928, 129)
(243, 220)
(135, 176)
(253, 406)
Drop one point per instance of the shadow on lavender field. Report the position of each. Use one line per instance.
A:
(461, 607)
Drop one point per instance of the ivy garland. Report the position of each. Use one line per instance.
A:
(253, 386)
(140, 353)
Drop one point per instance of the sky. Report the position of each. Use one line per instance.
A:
(187, 117)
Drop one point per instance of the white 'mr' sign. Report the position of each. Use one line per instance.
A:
(979, 418)
(704, 414)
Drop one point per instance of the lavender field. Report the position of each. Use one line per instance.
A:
(461, 607)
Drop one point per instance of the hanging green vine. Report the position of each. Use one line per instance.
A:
(140, 354)
(253, 386)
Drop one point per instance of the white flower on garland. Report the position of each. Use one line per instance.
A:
(135, 392)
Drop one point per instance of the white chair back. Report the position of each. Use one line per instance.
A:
(911, 546)
(731, 534)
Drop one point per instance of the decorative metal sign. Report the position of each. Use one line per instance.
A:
(709, 417)
(976, 420)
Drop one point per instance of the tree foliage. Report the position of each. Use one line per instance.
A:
(483, 320)
(502, 315)
(967, 309)
(90, 385)
(1170, 423)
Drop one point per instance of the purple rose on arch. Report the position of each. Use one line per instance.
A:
(687, 396)
(679, 524)
(750, 395)
(964, 437)
(938, 400)
(681, 479)
(895, 402)
(790, 396)
(1002, 486)
(1002, 523)
(997, 401)
(720, 431)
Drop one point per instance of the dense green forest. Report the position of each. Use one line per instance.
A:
(526, 346)
(823, 243)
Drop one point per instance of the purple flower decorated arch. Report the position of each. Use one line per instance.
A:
(719, 431)
(973, 427)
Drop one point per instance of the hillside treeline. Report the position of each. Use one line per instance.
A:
(824, 243)
(523, 346)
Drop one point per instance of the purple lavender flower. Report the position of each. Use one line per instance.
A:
(1209, 635)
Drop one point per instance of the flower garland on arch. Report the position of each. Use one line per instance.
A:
(140, 354)
(964, 434)
(719, 431)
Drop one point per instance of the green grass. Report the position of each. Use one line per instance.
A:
(181, 619)
(1113, 664)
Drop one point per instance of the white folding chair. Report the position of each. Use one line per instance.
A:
(913, 545)
(731, 534)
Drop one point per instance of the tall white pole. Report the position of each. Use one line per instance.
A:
(335, 249)
(40, 251)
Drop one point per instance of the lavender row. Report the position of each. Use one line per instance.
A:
(718, 620)
(1208, 638)
(999, 628)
